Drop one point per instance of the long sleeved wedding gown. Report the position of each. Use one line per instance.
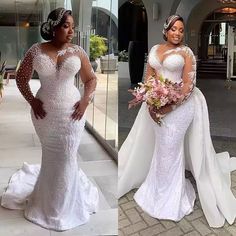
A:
(154, 158)
(56, 195)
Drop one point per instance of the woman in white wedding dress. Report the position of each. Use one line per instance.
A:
(153, 158)
(57, 195)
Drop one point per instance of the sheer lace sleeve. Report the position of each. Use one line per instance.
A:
(87, 76)
(150, 71)
(25, 72)
(188, 76)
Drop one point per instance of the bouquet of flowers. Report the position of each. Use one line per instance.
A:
(156, 92)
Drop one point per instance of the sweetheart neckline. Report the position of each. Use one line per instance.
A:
(57, 66)
(60, 64)
(162, 62)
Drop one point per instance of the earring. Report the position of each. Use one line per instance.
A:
(53, 33)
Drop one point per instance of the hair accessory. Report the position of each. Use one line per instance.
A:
(46, 27)
(52, 23)
(168, 22)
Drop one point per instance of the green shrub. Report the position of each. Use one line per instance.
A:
(97, 47)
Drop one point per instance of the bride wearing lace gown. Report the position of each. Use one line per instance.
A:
(57, 195)
(153, 158)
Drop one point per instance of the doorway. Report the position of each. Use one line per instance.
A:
(231, 55)
(216, 46)
(132, 18)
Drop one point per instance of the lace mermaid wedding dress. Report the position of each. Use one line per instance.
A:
(57, 195)
(154, 158)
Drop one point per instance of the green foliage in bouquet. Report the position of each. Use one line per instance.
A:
(162, 79)
(97, 47)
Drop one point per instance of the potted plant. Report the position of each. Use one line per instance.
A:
(123, 69)
(123, 56)
(97, 48)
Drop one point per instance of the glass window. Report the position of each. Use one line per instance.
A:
(102, 37)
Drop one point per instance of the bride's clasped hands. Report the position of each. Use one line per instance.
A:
(158, 114)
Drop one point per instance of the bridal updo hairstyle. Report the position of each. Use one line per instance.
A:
(169, 23)
(56, 18)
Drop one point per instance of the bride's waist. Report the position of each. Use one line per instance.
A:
(58, 91)
(59, 96)
(173, 77)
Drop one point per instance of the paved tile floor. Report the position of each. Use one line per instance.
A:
(19, 143)
(222, 112)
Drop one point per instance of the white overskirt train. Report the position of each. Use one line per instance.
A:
(211, 170)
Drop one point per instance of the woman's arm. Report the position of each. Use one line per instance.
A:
(150, 72)
(188, 76)
(89, 79)
(23, 77)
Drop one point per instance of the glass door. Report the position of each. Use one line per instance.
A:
(231, 58)
(97, 33)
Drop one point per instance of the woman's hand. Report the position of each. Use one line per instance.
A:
(164, 110)
(37, 107)
(79, 109)
(153, 113)
(157, 114)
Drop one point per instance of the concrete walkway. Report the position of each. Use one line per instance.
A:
(19, 143)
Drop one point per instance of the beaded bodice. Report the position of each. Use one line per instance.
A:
(56, 76)
(173, 63)
(177, 65)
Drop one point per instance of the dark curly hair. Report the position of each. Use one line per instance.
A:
(169, 23)
(56, 18)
